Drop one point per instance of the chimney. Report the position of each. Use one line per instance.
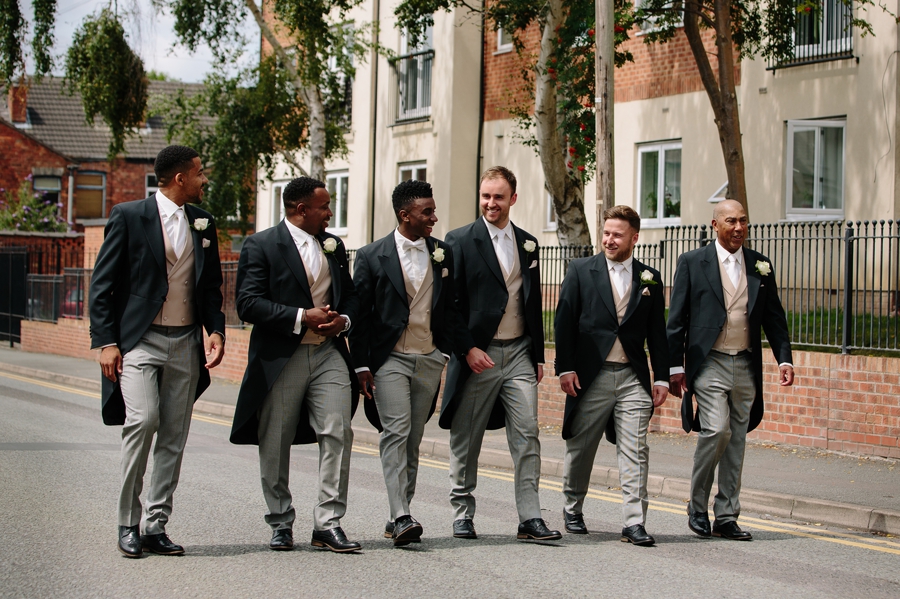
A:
(18, 103)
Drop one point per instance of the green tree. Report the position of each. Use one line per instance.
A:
(554, 109)
(741, 29)
(23, 209)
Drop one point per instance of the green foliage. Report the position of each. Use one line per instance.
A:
(153, 75)
(258, 115)
(763, 29)
(25, 210)
(109, 75)
(42, 43)
(12, 36)
(571, 66)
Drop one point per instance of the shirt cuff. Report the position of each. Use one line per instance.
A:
(446, 357)
(297, 323)
(220, 333)
(362, 369)
(562, 374)
(661, 384)
(785, 364)
(107, 345)
(346, 326)
(676, 370)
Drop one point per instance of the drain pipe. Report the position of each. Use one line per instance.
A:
(373, 119)
(478, 156)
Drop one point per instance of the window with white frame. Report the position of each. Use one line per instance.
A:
(47, 186)
(278, 202)
(550, 214)
(151, 185)
(413, 171)
(338, 184)
(815, 168)
(344, 107)
(659, 183)
(413, 72)
(504, 41)
(824, 31)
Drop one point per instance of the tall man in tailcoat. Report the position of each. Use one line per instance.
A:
(609, 305)
(722, 295)
(493, 375)
(401, 340)
(156, 282)
(294, 286)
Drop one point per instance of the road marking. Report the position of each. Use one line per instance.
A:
(882, 545)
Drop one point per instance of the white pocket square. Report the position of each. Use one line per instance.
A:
(444, 272)
(205, 243)
(533, 264)
(645, 291)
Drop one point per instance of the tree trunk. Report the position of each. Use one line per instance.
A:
(605, 66)
(564, 185)
(721, 92)
(312, 97)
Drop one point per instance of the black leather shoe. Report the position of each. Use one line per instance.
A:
(699, 522)
(636, 535)
(575, 523)
(537, 530)
(389, 530)
(282, 540)
(406, 531)
(334, 539)
(161, 544)
(464, 528)
(130, 541)
(730, 530)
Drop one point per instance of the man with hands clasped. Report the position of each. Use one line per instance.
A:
(609, 305)
(401, 340)
(294, 286)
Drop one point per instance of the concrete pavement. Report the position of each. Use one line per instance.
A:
(802, 484)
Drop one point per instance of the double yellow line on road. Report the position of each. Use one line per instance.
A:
(884, 545)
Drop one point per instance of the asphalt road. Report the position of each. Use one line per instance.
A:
(59, 483)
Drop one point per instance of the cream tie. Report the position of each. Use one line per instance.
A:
(733, 268)
(620, 280)
(503, 251)
(179, 232)
(309, 251)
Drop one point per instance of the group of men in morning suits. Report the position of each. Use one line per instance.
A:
(413, 304)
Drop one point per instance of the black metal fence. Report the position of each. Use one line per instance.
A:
(839, 281)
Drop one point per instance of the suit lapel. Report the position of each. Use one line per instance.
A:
(292, 257)
(197, 237)
(635, 297)
(486, 250)
(524, 263)
(335, 269)
(709, 263)
(600, 272)
(390, 263)
(754, 280)
(154, 232)
(437, 272)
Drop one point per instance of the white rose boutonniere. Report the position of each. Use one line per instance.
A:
(201, 223)
(437, 256)
(529, 246)
(329, 245)
(763, 268)
(647, 278)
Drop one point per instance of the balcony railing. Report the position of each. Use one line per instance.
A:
(819, 36)
(411, 87)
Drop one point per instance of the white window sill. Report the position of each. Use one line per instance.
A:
(339, 231)
(503, 50)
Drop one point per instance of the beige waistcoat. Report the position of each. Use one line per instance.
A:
(735, 335)
(417, 338)
(617, 353)
(320, 289)
(512, 325)
(178, 309)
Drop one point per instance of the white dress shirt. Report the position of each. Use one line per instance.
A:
(413, 257)
(504, 244)
(308, 247)
(734, 266)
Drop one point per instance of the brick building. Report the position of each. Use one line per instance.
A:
(44, 133)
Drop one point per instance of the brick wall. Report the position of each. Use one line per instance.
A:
(838, 403)
(20, 153)
(48, 253)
